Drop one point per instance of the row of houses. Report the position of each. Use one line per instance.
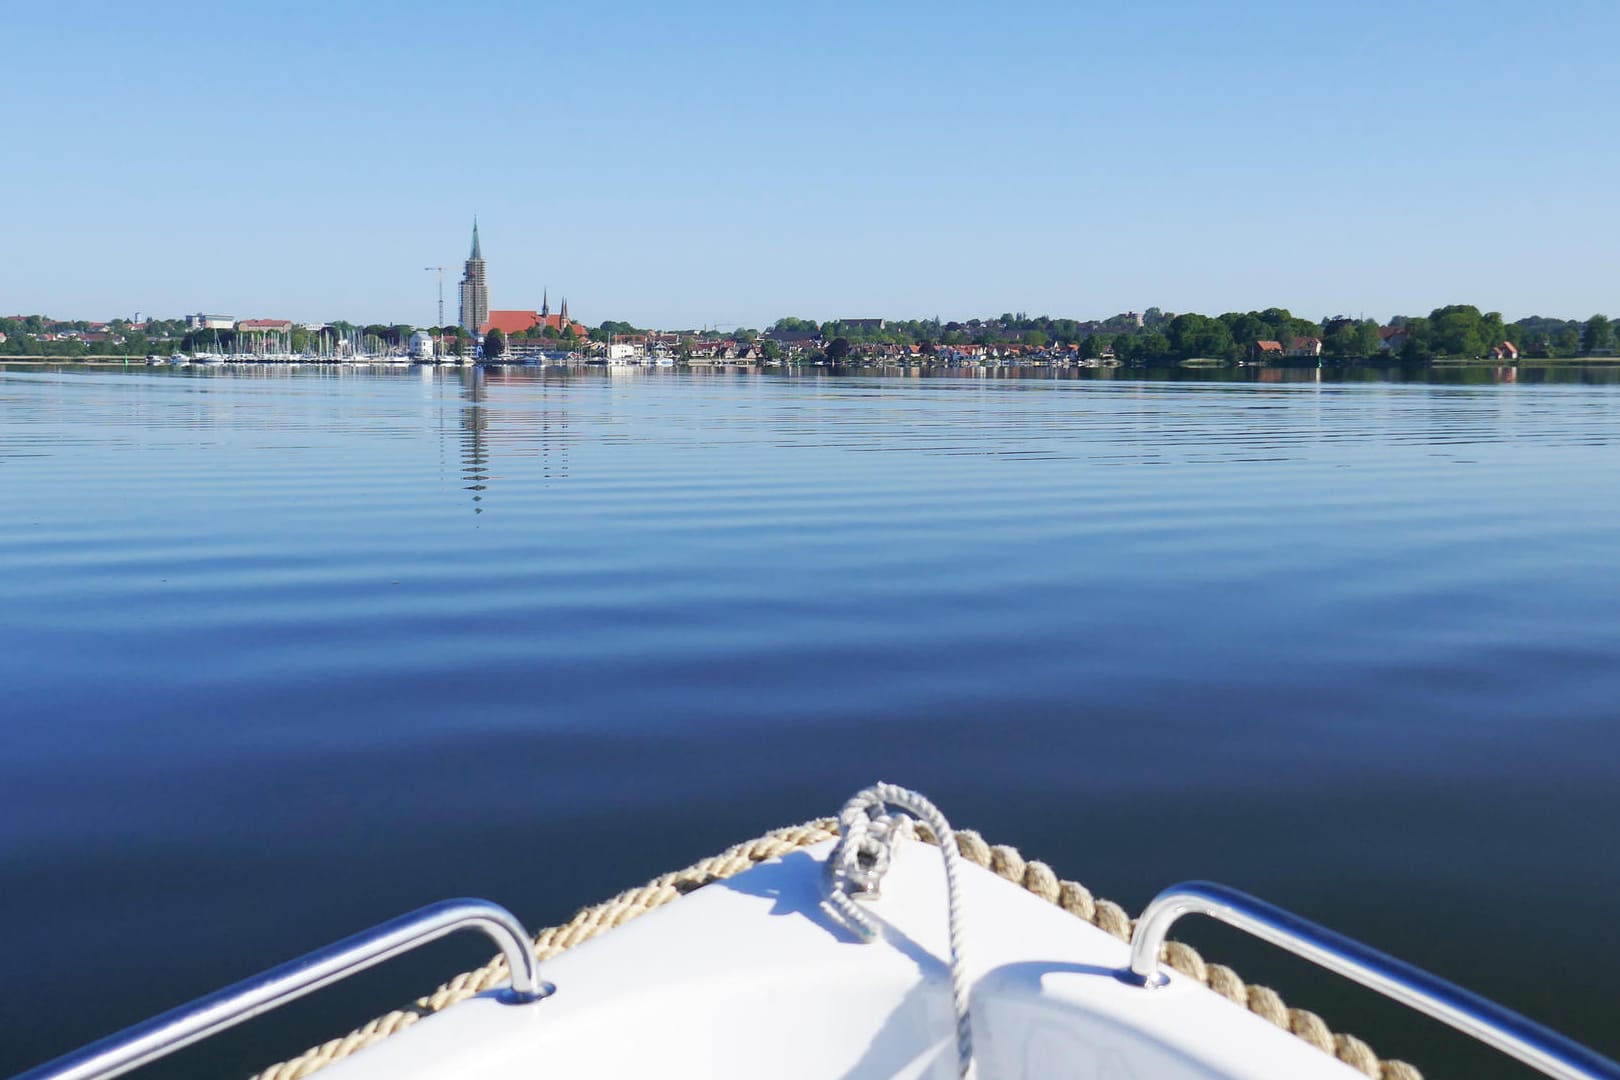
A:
(1296, 347)
(95, 333)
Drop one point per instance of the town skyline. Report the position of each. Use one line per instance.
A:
(475, 314)
(1455, 332)
(899, 161)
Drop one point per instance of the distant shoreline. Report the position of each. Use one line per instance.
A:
(1281, 362)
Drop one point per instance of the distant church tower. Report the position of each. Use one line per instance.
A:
(474, 290)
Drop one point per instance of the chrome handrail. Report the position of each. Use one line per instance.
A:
(1490, 1023)
(182, 1026)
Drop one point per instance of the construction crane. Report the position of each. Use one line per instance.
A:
(440, 270)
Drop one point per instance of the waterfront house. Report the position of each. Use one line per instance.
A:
(1505, 351)
(1268, 350)
(1392, 338)
(1305, 346)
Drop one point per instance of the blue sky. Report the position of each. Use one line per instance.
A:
(730, 163)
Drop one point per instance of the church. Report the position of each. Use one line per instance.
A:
(477, 317)
(518, 322)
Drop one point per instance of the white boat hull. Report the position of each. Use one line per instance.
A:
(750, 977)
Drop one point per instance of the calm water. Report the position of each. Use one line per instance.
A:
(286, 653)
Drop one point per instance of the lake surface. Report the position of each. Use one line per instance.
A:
(284, 653)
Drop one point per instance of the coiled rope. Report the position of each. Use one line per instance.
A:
(859, 861)
(1005, 862)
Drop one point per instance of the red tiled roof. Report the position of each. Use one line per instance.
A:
(1269, 346)
(262, 324)
(510, 322)
(556, 323)
(515, 322)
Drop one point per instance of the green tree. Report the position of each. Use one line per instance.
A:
(1598, 335)
(1419, 347)
(771, 349)
(1347, 339)
(494, 343)
(1191, 335)
(1339, 338)
(838, 349)
(1366, 339)
(1278, 323)
(1147, 348)
(1458, 331)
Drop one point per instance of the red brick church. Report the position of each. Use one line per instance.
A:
(518, 322)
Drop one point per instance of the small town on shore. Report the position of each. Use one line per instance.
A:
(1273, 336)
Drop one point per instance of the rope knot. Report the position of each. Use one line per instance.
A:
(867, 832)
(855, 869)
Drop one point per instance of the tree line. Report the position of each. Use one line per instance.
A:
(1459, 330)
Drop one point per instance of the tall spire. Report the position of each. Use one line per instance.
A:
(563, 315)
(474, 288)
(545, 303)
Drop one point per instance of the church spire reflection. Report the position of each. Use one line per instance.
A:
(474, 435)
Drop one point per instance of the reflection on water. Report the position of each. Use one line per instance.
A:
(1347, 641)
(474, 425)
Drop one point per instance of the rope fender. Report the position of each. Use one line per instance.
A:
(1006, 862)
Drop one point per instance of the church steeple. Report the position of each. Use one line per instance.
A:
(563, 315)
(545, 303)
(474, 289)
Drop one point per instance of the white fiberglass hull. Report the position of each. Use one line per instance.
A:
(750, 977)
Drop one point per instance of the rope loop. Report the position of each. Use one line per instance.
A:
(867, 832)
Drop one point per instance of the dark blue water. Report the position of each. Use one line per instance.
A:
(286, 652)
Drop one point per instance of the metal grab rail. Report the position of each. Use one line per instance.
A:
(182, 1026)
(1490, 1023)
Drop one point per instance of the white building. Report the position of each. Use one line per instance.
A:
(421, 345)
(210, 322)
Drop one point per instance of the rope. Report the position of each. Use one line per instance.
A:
(1005, 862)
(859, 862)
